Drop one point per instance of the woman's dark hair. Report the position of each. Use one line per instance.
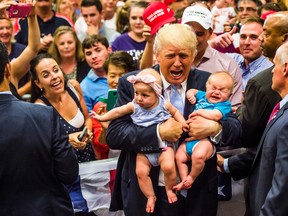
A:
(120, 59)
(269, 6)
(4, 60)
(36, 92)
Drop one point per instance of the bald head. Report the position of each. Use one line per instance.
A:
(275, 33)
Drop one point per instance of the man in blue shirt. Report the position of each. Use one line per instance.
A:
(94, 85)
(251, 61)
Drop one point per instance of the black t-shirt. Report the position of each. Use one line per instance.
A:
(46, 28)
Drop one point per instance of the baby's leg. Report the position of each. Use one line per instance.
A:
(142, 171)
(181, 158)
(201, 152)
(167, 164)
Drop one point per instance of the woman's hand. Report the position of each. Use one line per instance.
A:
(3, 6)
(76, 143)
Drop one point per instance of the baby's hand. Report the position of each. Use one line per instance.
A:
(191, 98)
(185, 126)
(94, 115)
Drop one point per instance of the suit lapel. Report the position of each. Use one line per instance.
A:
(272, 122)
(188, 107)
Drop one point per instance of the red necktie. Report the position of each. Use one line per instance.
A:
(274, 111)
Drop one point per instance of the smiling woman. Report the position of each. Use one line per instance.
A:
(50, 88)
(66, 49)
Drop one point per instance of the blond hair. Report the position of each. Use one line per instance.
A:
(177, 35)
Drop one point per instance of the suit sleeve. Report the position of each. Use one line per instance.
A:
(240, 165)
(122, 134)
(65, 161)
(254, 113)
(276, 199)
(231, 132)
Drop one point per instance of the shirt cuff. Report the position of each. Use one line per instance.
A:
(225, 166)
(217, 138)
(161, 143)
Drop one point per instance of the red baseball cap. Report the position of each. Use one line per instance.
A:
(156, 15)
(267, 13)
(168, 2)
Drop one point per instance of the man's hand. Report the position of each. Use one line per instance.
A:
(170, 130)
(91, 29)
(223, 40)
(201, 128)
(146, 34)
(46, 41)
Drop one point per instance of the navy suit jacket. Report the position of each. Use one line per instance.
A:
(268, 184)
(124, 135)
(36, 161)
(259, 101)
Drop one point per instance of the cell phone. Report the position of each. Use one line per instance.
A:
(83, 135)
(111, 100)
(20, 10)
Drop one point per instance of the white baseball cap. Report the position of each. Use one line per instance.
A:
(198, 14)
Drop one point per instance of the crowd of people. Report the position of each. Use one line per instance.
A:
(187, 81)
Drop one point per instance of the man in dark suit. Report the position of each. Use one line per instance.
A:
(36, 160)
(259, 100)
(268, 179)
(175, 48)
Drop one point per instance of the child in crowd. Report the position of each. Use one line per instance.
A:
(149, 107)
(222, 12)
(116, 65)
(213, 105)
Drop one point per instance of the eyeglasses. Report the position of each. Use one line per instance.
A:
(248, 9)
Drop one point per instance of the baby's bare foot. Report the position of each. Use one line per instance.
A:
(150, 204)
(171, 196)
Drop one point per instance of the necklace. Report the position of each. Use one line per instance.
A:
(73, 74)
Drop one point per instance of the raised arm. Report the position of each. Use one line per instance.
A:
(147, 57)
(114, 113)
(20, 65)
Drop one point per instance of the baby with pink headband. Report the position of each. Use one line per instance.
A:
(149, 107)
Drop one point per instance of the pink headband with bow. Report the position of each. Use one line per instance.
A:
(147, 79)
